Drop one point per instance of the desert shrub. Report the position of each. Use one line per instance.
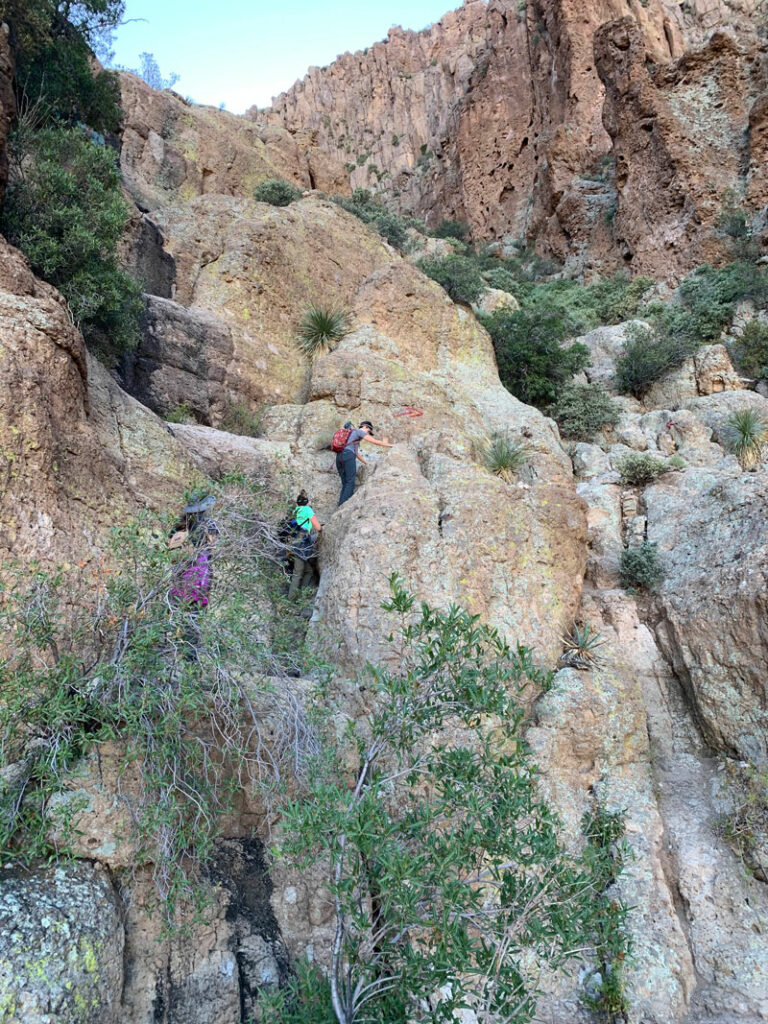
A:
(504, 457)
(431, 831)
(242, 418)
(745, 826)
(533, 363)
(276, 192)
(458, 229)
(321, 328)
(95, 654)
(750, 350)
(707, 299)
(582, 410)
(607, 852)
(648, 354)
(585, 307)
(181, 413)
(304, 999)
(637, 469)
(53, 47)
(640, 568)
(370, 210)
(458, 275)
(500, 278)
(746, 435)
(65, 211)
(581, 646)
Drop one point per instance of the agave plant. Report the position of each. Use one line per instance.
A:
(322, 328)
(504, 457)
(581, 646)
(746, 435)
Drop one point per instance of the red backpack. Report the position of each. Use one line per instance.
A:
(339, 439)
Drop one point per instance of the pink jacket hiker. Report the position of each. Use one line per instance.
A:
(194, 583)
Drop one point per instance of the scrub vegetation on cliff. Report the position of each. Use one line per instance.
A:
(449, 883)
(448, 878)
(99, 654)
(64, 206)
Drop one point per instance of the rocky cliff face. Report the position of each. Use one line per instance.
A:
(494, 116)
(680, 690)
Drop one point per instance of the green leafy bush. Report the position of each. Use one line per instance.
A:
(637, 469)
(65, 211)
(276, 192)
(242, 418)
(452, 229)
(502, 279)
(648, 354)
(584, 307)
(746, 434)
(750, 350)
(110, 655)
(53, 47)
(640, 567)
(504, 457)
(458, 275)
(533, 363)
(370, 210)
(442, 819)
(181, 413)
(582, 410)
(607, 852)
(321, 328)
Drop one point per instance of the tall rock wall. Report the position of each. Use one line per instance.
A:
(494, 115)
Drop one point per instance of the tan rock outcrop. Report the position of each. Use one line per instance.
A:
(76, 453)
(174, 150)
(244, 273)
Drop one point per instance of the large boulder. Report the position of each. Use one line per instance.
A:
(61, 947)
(247, 272)
(710, 528)
(77, 453)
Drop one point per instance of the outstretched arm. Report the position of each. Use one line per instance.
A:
(374, 440)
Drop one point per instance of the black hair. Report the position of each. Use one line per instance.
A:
(302, 499)
(367, 423)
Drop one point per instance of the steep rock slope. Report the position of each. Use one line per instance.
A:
(172, 149)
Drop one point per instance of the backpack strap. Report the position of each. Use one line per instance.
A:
(299, 522)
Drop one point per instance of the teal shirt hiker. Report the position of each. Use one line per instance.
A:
(303, 516)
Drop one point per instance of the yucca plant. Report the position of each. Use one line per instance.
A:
(581, 646)
(504, 457)
(746, 435)
(322, 328)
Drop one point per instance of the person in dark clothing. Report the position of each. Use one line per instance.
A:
(346, 460)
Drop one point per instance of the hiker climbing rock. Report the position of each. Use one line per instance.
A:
(303, 548)
(191, 588)
(346, 444)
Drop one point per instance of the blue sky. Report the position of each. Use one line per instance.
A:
(242, 52)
